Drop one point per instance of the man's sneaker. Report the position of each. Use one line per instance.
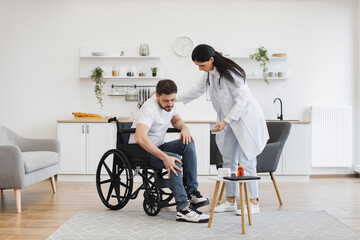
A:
(254, 209)
(197, 200)
(192, 215)
(225, 207)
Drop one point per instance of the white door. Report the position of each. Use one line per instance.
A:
(100, 138)
(72, 147)
(201, 135)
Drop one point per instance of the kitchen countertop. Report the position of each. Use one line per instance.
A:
(291, 121)
(104, 120)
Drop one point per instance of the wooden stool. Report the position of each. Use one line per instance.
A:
(244, 187)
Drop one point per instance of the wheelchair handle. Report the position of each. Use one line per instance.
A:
(114, 119)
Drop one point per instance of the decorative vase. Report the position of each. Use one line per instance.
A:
(144, 49)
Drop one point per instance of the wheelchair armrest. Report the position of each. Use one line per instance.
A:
(172, 130)
(132, 130)
(126, 130)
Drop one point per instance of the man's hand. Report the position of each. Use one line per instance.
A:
(170, 165)
(185, 135)
(220, 126)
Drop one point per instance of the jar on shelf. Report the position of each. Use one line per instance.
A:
(115, 71)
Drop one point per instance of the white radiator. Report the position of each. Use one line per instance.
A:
(331, 136)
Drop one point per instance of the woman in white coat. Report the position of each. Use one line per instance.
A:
(241, 132)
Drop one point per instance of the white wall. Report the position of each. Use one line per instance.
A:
(40, 40)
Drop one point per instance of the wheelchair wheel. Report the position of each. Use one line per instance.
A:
(152, 194)
(114, 179)
(151, 204)
(165, 191)
(166, 196)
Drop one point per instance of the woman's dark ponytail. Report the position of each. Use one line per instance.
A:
(225, 66)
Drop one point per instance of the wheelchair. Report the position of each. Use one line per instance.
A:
(117, 169)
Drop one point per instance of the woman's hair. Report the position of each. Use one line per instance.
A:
(203, 53)
(166, 86)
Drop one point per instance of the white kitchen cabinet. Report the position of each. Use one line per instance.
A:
(83, 144)
(295, 159)
(72, 151)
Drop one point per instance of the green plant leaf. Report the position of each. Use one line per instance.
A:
(261, 56)
(98, 78)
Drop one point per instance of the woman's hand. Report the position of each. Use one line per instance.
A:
(220, 126)
(185, 135)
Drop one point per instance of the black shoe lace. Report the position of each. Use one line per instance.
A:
(194, 210)
(197, 194)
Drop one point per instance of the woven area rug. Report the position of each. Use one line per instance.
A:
(266, 225)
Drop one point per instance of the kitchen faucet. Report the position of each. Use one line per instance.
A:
(281, 112)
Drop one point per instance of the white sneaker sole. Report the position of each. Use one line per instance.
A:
(238, 212)
(227, 210)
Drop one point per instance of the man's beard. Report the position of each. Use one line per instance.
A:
(165, 108)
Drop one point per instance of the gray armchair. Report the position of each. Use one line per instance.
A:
(25, 161)
(269, 158)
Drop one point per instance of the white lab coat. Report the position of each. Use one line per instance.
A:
(235, 103)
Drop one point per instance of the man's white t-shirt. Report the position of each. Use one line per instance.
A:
(156, 118)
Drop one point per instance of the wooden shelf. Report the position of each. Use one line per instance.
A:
(120, 57)
(110, 57)
(269, 78)
(119, 78)
(270, 58)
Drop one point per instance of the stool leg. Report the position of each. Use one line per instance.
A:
(248, 203)
(242, 207)
(213, 203)
(222, 191)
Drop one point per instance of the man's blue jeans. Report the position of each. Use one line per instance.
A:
(177, 149)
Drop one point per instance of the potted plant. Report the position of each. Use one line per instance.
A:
(262, 57)
(98, 78)
(154, 71)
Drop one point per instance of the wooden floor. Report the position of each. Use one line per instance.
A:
(43, 212)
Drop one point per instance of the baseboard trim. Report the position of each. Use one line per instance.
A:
(354, 175)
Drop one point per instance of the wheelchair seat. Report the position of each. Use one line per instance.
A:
(117, 169)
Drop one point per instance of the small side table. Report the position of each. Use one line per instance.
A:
(244, 187)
